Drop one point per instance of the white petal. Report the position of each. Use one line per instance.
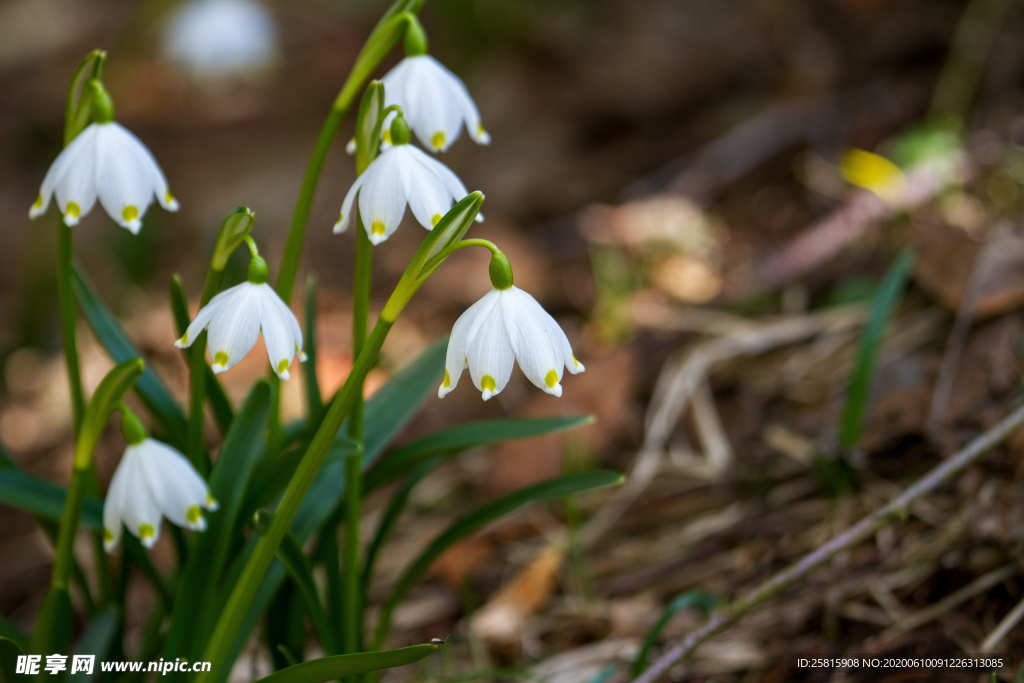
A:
(467, 107)
(123, 176)
(202, 319)
(277, 333)
(113, 504)
(429, 199)
(455, 357)
(140, 512)
(75, 181)
(233, 330)
(84, 143)
(291, 322)
(345, 214)
(489, 352)
(536, 348)
(177, 488)
(432, 113)
(381, 200)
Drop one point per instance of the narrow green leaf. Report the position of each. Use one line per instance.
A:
(14, 633)
(368, 124)
(103, 402)
(97, 639)
(705, 602)
(220, 404)
(314, 399)
(404, 459)
(233, 231)
(52, 631)
(329, 668)
(463, 527)
(229, 481)
(9, 651)
(151, 389)
(295, 562)
(38, 496)
(858, 391)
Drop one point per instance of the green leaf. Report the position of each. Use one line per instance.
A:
(53, 623)
(329, 668)
(233, 231)
(457, 439)
(368, 124)
(38, 496)
(463, 527)
(295, 562)
(223, 413)
(9, 651)
(705, 602)
(97, 639)
(229, 481)
(151, 389)
(314, 399)
(14, 633)
(858, 391)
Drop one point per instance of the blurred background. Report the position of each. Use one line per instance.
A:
(672, 179)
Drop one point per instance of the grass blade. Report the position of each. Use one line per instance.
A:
(329, 668)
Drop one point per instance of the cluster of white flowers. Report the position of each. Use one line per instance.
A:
(106, 162)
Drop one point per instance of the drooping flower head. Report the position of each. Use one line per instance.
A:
(435, 102)
(401, 175)
(507, 325)
(106, 162)
(236, 317)
(221, 38)
(152, 481)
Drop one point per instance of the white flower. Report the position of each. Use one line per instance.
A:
(106, 161)
(152, 481)
(402, 174)
(507, 325)
(221, 38)
(434, 101)
(235, 317)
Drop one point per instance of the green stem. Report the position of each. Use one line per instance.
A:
(68, 319)
(219, 648)
(197, 384)
(377, 46)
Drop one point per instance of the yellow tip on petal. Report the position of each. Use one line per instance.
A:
(146, 531)
(38, 203)
(551, 379)
(480, 130)
(108, 536)
(72, 211)
(211, 502)
(194, 515)
(377, 228)
(437, 140)
(282, 366)
(447, 381)
(130, 213)
(872, 172)
(220, 358)
(487, 383)
(435, 219)
(386, 136)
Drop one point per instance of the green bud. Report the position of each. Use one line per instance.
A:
(500, 270)
(415, 37)
(400, 134)
(132, 427)
(100, 104)
(233, 231)
(258, 270)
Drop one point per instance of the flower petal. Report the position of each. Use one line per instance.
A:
(74, 183)
(381, 200)
(455, 357)
(345, 214)
(124, 176)
(277, 333)
(489, 352)
(233, 330)
(429, 199)
(202, 319)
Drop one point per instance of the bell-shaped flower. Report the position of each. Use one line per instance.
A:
(107, 162)
(234, 319)
(435, 102)
(507, 325)
(214, 39)
(401, 175)
(153, 481)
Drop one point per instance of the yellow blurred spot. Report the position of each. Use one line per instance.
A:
(282, 366)
(108, 535)
(386, 136)
(575, 363)
(480, 130)
(38, 204)
(169, 198)
(146, 531)
(377, 227)
(210, 501)
(437, 140)
(72, 210)
(184, 339)
(220, 358)
(872, 172)
(130, 213)
(447, 381)
(551, 379)
(487, 383)
(435, 219)
(193, 514)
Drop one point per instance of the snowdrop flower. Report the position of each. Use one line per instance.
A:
(507, 325)
(235, 317)
(152, 481)
(221, 38)
(434, 100)
(402, 174)
(104, 161)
